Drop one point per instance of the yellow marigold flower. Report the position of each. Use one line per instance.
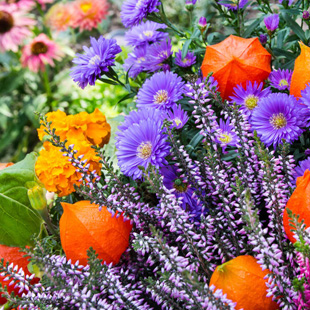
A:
(82, 130)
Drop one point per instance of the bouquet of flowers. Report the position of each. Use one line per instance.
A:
(207, 205)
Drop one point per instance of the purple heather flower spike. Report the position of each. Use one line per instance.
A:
(188, 60)
(235, 5)
(161, 91)
(281, 79)
(141, 144)
(146, 32)
(134, 11)
(272, 22)
(278, 117)
(177, 116)
(249, 98)
(95, 61)
(226, 136)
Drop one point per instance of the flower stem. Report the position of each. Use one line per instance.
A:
(47, 89)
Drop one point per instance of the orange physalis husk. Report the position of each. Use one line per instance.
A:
(299, 204)
(301, 73)
(242, 279)
(236, 61)
(82, 226)
(13, 255)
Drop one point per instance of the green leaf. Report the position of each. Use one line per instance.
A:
(295, 27)
(185, 47)
(19, 222)
(252, 27)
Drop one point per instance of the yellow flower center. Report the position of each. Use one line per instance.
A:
(225, 138)
(251, 102)
(278, 121)
(6, 22)
(38, 48)
(138, 4)
(94, 59)
(283, 82)
(148, 33)
(180, 187)
(85, 7)
(161, 96)
(177, 121)
(139, 60)
(144, 150)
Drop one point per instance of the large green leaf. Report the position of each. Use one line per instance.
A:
(18, 221)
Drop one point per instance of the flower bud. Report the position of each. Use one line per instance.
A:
(305, 15)
(189, 5)
(37, 197)
(202, 24)
(263, 38)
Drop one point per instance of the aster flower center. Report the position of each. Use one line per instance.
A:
(161, 96)
(148, 33)
(140, 59)
(6, 22)
(225, 138)
(38, 48)
(278, 121)
(251, 102)
(177, 121)
(180, 186)
(144, 150)
(139, 4)
(185, 60)
(94, 59)
(85, 7)
(283, 82)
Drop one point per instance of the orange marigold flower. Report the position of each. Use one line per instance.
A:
(82, 130)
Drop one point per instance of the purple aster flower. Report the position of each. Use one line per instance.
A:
(226, 136)
(272, 22)
(281, 79)
(135, 61)
(96, 60)
(277, 117)
(235, 5)
(182, 189)
(249, 98)
(145, 33)
(301, 168)
(177, 116)
(188, 60)
(161, 91)
(134, 11)
(158, 53)
(136, 117)
(305, 96)
(142, 144)
(263, 38)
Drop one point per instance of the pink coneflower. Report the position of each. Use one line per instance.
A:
(39, 52)
(14, 27)
(88, 13)
(59, 16)
(25, 5)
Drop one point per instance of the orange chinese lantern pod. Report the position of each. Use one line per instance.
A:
(12, 255)
(301, 73)
(235, 61)
(4, 165)
(82, 226)
(299, 204)
(242, 279)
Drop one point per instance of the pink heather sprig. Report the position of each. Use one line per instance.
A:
(303, 300)
(181, 285)
(267, 253)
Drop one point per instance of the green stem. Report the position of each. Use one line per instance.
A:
(47, 89)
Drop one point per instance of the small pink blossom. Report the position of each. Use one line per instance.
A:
(87, 14)
(59, 16)
(39, 52)
(14, 27)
